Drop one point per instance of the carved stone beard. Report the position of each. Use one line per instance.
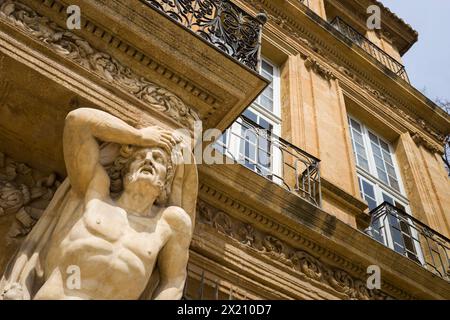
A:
(143, 184)
(148, 179)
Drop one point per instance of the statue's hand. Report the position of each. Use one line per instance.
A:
(158, 137)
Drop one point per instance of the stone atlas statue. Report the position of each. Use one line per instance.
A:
(124, 217)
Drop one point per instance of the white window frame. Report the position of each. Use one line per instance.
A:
(389, 241)
(274, 118)
(381, 187)
(372, 174)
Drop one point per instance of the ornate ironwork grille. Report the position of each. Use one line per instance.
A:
(209, 289)
(220, 23)
(273, 158)
(372, 49)
(411, 238)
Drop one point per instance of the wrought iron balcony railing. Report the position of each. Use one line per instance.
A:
(408, 236)
(372, 49)
(273, 158)
(219, 22)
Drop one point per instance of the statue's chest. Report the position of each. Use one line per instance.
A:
(124, 233)
(106, 221)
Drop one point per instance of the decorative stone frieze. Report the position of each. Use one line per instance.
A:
(25, 193)
(246, 233)
(300, 261)
(80, 51)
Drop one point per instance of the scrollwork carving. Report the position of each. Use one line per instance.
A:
(307, 264)
(298, 260)
(223, 224)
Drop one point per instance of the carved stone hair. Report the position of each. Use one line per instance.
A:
(120, 167)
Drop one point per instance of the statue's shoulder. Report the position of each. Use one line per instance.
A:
(177, 218)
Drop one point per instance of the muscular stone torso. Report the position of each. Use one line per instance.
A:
(115, 251)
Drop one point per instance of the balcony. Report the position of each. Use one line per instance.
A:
(369, 47)
(219, 22)
(273, 158)
(212, 43)
(357, 38)
(203, 51)
(408, 236)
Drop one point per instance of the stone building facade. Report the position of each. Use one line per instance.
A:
(342, 167)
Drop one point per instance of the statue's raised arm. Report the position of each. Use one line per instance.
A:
(82, 130)
(116, 229)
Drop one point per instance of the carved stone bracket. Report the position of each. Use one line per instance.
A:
(298, 260)
(102, 64)
(25, 193)
(419, 140)
(317, 67)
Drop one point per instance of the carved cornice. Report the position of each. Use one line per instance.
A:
(380, 96)
(102, 64)
(300, 261)
(224, 223)
(344, 67)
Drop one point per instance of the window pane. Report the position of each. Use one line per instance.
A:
(373, 138)
(396, 234)
(390, 170)
(363, 163)
(368, 189)
(266, 103)
(384, 146)
(355, 125)
(382, 175)
(268, 92)
(266, 67)
(376, 150)
(371, 203)
(360, 150)
(265, 124)
(358, 145)
(251, 115)
(369, 194)
(358, 137)
(379, 162)
(221, 143)
(387, 157)
(394, 183)
(268, 76)
(388, 199)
